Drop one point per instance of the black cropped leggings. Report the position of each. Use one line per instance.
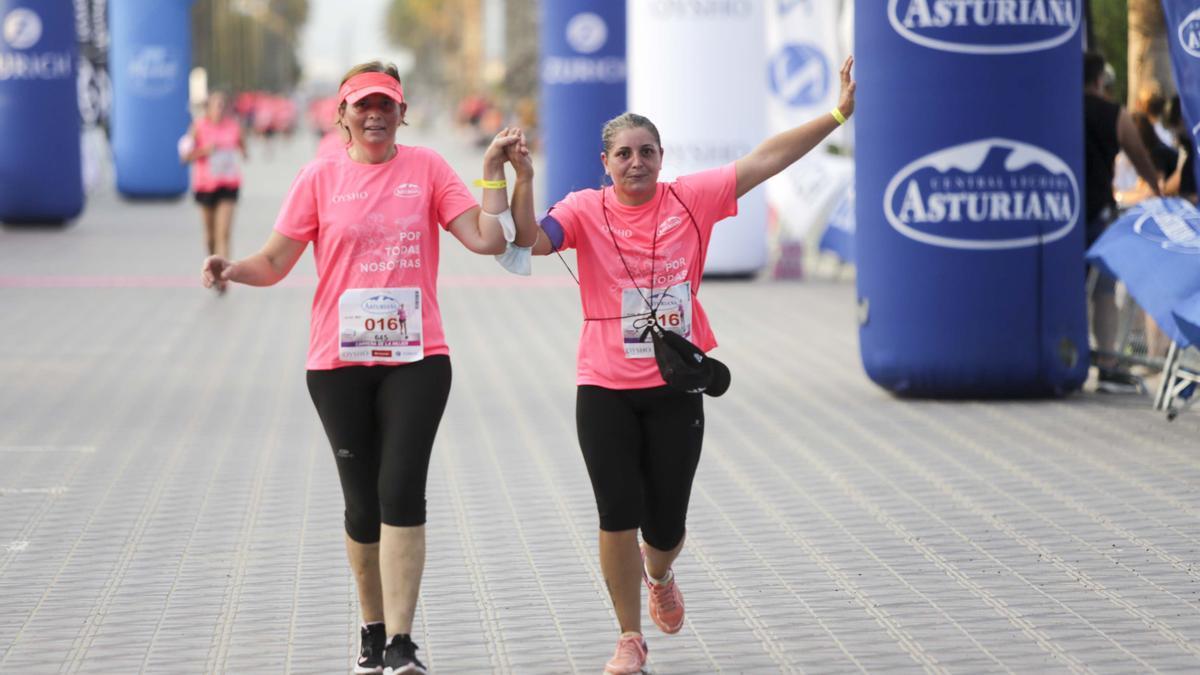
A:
(381, 422)
(641, 447)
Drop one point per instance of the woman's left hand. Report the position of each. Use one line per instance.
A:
(846, 98)
(518, 155)
(495, 156)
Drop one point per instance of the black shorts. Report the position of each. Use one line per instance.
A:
(210, 198)
(641, 447)
(381, 422)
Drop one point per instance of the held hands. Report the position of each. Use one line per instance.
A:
(216, 272)
(846, 97)
(518, 155)
(496, 154)
(509, 145)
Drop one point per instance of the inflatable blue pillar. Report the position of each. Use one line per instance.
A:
(583, 86)
(149, 62)
(969, 190)
(40, 174)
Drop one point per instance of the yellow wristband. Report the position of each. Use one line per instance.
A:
(491, 184)
(837, 115)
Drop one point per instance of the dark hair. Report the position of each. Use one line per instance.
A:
(626, 121)
(1161, 154)
(369, 67)
(1156, 104)
(1093, 66)
(1174, 114)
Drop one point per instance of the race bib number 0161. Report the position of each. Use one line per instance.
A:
(674, 314)
(380, 325)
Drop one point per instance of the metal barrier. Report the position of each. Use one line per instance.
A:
(1181, 374)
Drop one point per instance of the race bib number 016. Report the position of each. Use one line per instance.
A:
(674, 314)
(380, 325)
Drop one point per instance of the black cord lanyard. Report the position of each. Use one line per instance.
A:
(653, 314)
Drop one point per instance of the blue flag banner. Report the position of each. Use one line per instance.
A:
(1154, 248)
(839, 232)
(1183, 34)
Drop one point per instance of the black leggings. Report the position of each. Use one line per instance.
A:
(641, 447)
(381, 422)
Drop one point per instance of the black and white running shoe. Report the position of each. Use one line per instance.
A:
(370, 656)
(400, 657)
(1119, 382)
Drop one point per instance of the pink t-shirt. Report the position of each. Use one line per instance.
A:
(221, 168)
(611, 353)
(374, 226)
(333, 144)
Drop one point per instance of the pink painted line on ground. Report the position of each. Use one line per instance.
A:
(300, 281)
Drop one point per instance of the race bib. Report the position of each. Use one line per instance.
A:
(381, 325)
(674, 314)
(223, 163)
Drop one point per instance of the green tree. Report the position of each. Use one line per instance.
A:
(1110, 23)
(248, 44)
(433, 31)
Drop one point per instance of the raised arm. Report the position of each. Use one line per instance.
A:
(779, 151)
(266, 268)
(479, 229)
(528, 232)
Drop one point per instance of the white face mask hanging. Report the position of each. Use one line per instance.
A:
(515, 259)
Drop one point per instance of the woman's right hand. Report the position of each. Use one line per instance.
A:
(496, 153)
(215, 272)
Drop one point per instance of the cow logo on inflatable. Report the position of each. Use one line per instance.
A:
(989, 194)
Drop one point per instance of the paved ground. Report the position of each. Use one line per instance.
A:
(168, 503)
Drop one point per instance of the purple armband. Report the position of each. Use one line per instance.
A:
(553, 230)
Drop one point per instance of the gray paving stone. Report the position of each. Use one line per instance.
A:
(182, 511)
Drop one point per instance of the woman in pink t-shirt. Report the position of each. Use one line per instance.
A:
(378, 363)
(641, 246)
(214, 144)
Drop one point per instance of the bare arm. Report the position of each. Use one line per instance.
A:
(272, 263)
(528, 232)
(542, 246)
(1173, 182)
(194, 153)
(479, 232)
(781, 150)
(1131, 143)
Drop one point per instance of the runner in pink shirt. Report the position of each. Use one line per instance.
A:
(378, 363)
(214, 147)
(332, 144)
(641, 246)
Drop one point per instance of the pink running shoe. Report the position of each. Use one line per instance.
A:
(666, 602)
(630, 657)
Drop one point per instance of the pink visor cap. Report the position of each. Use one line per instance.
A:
(364, 84)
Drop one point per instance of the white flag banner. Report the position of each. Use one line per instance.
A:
(803, 59)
